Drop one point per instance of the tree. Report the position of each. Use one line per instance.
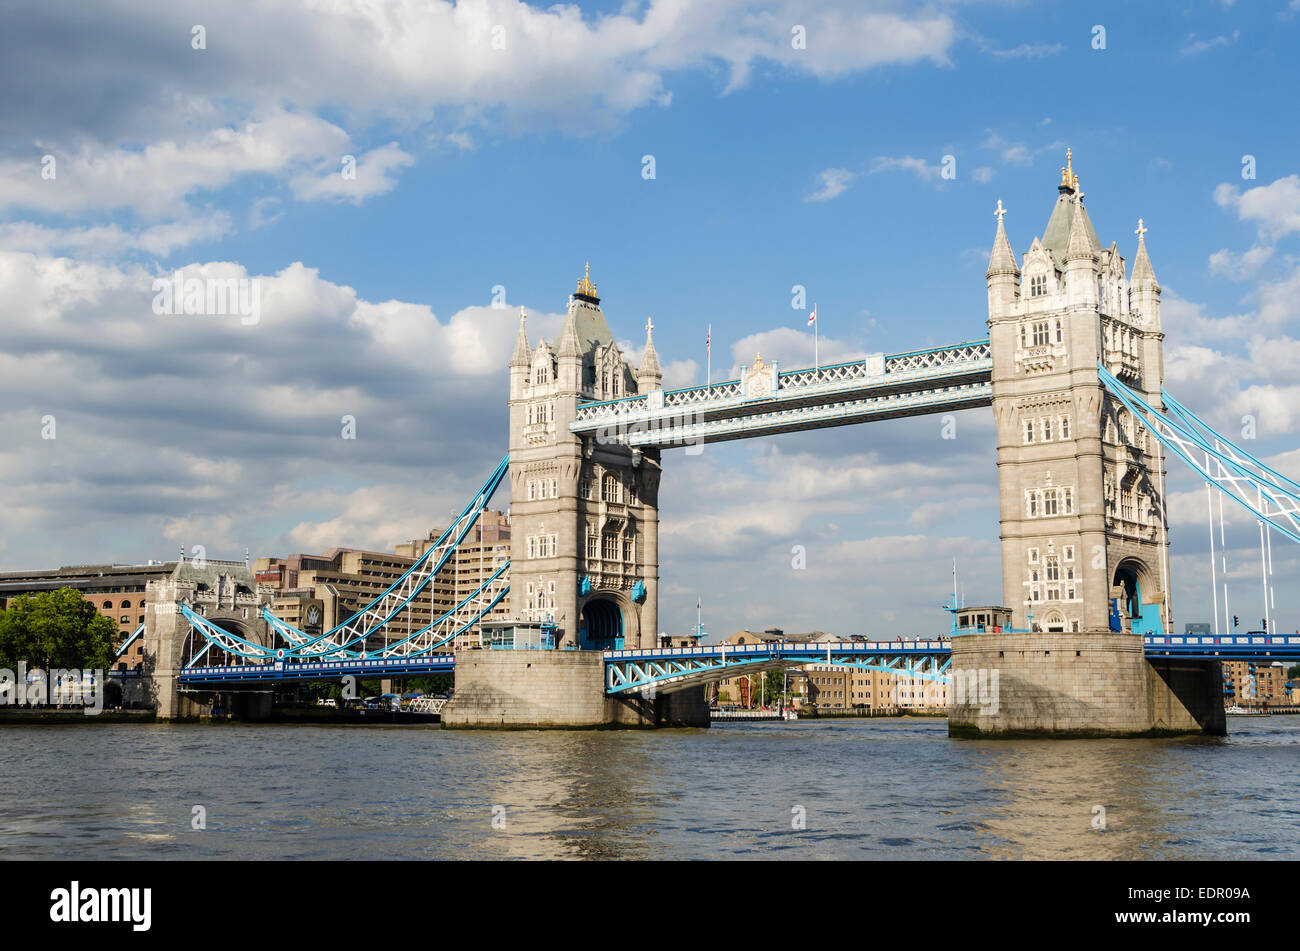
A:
(1293, 672)
(56, 629)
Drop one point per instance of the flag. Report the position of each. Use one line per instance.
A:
(812, 318)
(708, 340)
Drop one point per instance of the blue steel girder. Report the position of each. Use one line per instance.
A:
(666, 670)
(1268, 495)
(941, 379)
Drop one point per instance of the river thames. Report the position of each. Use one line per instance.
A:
(860, 789)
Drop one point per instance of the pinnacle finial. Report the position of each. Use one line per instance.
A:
(649, 325)
(522, 315)
(1141, 231)
(1068, 178)
(585, 286)
(1000, 212)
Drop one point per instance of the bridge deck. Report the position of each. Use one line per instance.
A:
(724, 659)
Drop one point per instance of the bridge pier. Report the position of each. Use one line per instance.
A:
(1078, 685)
(524, 689)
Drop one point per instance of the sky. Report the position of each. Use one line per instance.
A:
(705, 156)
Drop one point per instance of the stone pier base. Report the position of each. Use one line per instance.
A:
(1078, 684)
(527, 689)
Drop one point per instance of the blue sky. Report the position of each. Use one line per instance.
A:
(483, 167)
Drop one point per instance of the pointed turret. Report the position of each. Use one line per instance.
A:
(1080, 259)
(520, 362)
(520, 358)
(1081, 243)
(1142, 270)
(1003, 276)
(650, 376)
(1144, 290)
(569, 345)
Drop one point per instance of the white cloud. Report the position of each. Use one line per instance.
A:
(792, 349)
(832, 183)
(1239, 267)
(908, 163)
(1191, 46)
(156, 181)
(372, 175)
(1276, 207)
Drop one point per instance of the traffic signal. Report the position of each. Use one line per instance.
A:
(1235, 621)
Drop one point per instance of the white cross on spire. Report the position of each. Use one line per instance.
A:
(649, 325)
(1000, 212)
(1141, 231)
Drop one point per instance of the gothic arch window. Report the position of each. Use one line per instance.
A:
(609, 488)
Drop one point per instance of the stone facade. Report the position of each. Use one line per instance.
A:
(526, 689)
(1091, 684)
(1080, 482)
(584, 511)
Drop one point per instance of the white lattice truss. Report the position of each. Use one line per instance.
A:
(879, 387)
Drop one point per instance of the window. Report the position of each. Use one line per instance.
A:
(1049, 503)
(609, 489)
(1060, 333)
(1047, 429)
(609, 548)
(591, 546)
(126, 604)
(627, 550)
(1067, 501)
(1065, 427)
(1023, 333)
(125, 619)
(1038, 285)
(1040, 333)
(1029, 430)
(1069, 553)
(1032, 504)
(1033, 556)
(584, 488)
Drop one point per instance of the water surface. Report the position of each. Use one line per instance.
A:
(876, 789)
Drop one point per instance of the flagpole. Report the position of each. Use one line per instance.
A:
(708, 359)
(817, 358)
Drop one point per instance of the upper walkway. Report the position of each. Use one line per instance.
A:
(765, 401)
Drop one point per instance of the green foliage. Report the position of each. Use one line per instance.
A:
(56, 629)
(1293, 672)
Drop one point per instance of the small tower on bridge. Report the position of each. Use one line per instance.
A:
(1082, 502)
(583, 510)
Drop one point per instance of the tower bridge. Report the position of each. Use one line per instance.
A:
(1072, 368)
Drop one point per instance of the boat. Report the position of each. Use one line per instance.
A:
(1239, 711)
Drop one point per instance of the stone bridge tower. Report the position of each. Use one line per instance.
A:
(225, 593)
(1082, 496)
(1081, 482)
(584, 521)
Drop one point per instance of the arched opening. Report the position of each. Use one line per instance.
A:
(1127, 601)
(602, 626)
